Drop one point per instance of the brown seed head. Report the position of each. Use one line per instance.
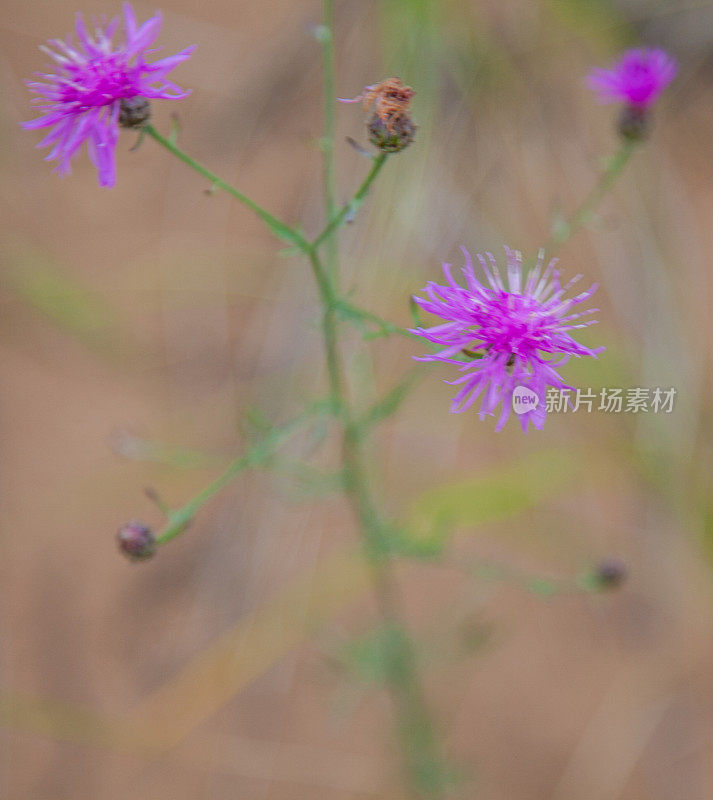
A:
(390, 101)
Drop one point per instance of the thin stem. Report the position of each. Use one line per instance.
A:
(257, 455)
(353, 205)
(581, 216)
(414, 725)
(424, 769)
(587, 582)
(329, 331)
(279, 228)
(423, 764)
(329, 100)
(416, 730)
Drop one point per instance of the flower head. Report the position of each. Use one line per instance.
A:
(136, 541)
(82, 101)
(611, 573)
(511, 331)
(391, 139)
(388, 99)
(636, 79)
(390, 127)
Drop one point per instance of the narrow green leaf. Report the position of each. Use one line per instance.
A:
(500, 493)
(64, 300)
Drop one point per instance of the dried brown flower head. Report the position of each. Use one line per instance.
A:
(390, 126)
(389, 100)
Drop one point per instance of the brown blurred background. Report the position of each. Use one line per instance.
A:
(140, 324)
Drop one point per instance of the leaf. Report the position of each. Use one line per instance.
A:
(402, 541)
(282, 230)
(498, 494)
(415, 310)
(137, 448)
(373, 656)
(257, 422)
(63, 300)
(390, 403)
(289, 252)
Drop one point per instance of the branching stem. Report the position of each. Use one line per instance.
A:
(614, 168)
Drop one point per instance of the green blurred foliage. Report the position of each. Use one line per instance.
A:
(500, 493)
(62, 299)
(599, 21)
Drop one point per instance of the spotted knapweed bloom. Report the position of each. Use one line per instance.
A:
(505, 333)
(636, 79)
(97, 86)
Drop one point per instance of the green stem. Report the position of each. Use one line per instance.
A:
(352, 206)
(329, 331)
(413, 721)
(418, 739)
(329, 102)
(257, 455)
(581, 216)
(279, 228)
(425, 772)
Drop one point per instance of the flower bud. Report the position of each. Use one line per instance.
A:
(136, 541)
(611, 573)
(634, 123)
(134, 112)
(392, 135)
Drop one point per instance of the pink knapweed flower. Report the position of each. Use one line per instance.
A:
(513, 333)
(82, 100)
(636, 79)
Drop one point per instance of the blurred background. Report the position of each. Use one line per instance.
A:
(140, 325)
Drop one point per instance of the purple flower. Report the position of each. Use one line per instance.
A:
(513, 332)
(83, 100)
(637, 78)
